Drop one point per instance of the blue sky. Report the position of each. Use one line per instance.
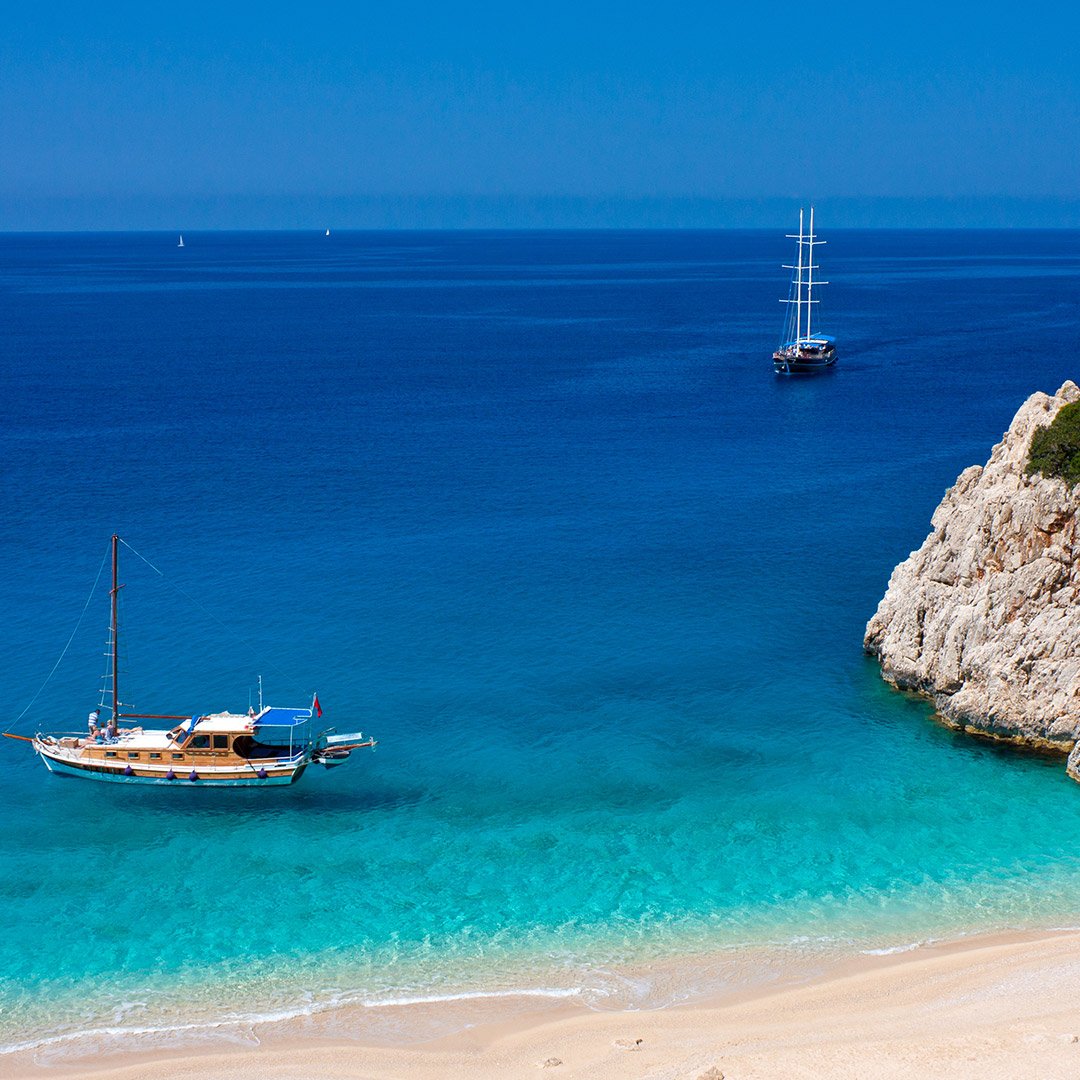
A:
(415, 114)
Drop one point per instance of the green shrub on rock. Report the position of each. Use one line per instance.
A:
(1055, 450)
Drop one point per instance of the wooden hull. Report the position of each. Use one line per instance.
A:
(207, 776)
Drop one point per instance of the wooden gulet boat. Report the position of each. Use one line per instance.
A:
(261, 747)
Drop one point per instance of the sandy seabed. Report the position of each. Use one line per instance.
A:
(993, 1007)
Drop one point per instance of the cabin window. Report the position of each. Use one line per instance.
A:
(178, 757)
(133, 754)
(110, 753)
(221, 742)
(155, 757)
(200, 742)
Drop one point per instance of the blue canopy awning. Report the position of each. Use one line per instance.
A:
(271, 717)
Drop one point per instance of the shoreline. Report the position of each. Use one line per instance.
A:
(973, 1006)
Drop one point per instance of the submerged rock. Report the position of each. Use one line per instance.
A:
(983, 618)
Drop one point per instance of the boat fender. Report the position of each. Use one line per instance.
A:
(128, 770)
(263, 774)
(193, 775)
(170, 775)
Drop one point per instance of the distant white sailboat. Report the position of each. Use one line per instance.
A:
(327, 232)
(181, 244)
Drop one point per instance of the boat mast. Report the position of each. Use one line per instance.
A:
(114, 593)
(798, 285)
(810, 274)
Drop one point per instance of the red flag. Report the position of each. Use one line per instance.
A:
(316, 706)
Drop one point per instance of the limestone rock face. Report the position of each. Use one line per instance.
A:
(984, 617)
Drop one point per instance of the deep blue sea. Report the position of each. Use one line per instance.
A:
(534, 511)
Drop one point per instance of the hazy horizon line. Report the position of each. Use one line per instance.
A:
(346, 229)
(289, 213)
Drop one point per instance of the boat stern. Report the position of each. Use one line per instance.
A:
(332, 748)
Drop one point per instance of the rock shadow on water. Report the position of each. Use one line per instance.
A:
(897, 708)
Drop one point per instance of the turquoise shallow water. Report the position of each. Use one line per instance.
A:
(533, 510)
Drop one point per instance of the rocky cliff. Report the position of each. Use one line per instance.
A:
(984, 618)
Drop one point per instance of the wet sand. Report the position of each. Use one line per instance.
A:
(1004, 1006)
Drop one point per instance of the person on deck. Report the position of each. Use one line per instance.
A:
(92, 722)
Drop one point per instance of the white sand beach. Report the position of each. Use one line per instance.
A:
(1004, 1007)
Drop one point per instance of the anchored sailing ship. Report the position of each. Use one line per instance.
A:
(268, 746)
(802, 352)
